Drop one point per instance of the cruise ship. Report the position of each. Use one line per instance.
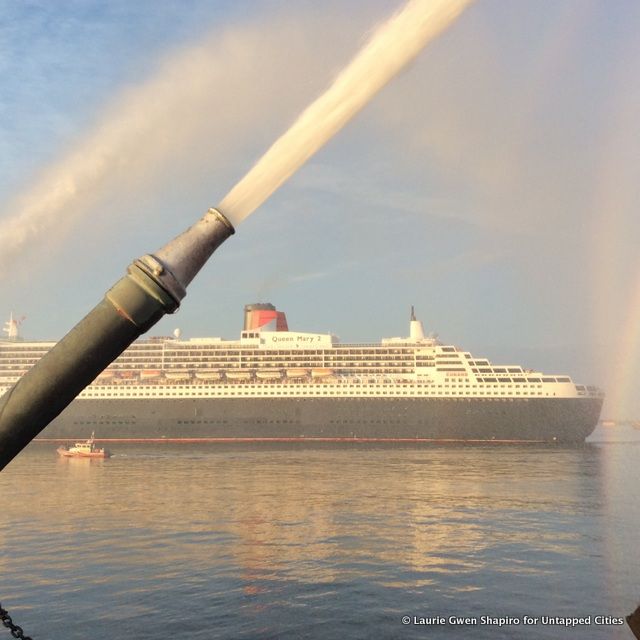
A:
(273, 384)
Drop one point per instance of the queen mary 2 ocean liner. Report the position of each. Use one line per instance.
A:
(276, 384)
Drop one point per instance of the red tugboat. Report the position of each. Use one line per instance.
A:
(85, 449)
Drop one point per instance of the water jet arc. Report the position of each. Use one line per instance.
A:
(156, 283)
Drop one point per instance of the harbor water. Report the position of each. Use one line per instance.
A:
(287, 542)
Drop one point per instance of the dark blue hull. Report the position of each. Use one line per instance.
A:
(565, 420)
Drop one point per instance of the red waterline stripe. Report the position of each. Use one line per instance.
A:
(311, 439)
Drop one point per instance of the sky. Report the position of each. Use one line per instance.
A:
(494, 184)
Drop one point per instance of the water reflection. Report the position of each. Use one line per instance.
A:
(267, 532)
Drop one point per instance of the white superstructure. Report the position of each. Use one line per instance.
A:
(267, 363)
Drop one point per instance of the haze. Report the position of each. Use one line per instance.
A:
(494, 185)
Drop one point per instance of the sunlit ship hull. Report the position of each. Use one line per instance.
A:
(94, 455)
(483, 420)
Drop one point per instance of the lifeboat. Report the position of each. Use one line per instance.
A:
(297, 373)
(84, 449)
(321, 373)
(150, 374)
(177, 375)
(269, 374)
(238, 375)
(109, 374)
(208, 375)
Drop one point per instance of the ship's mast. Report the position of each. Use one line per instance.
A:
(416, 331)
(11, 328)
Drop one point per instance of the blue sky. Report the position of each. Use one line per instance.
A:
(493, 185)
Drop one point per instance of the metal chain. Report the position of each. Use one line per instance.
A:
(16, 631)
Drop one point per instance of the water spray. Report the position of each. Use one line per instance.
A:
(156, 283)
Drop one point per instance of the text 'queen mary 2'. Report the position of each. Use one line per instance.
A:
(276, 384)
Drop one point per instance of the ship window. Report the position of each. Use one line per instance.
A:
(533, 379)
(548, 379)
(563, 379)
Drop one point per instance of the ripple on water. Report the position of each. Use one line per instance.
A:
(295, 543)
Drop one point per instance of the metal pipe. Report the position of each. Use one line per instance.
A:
(154, 285)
